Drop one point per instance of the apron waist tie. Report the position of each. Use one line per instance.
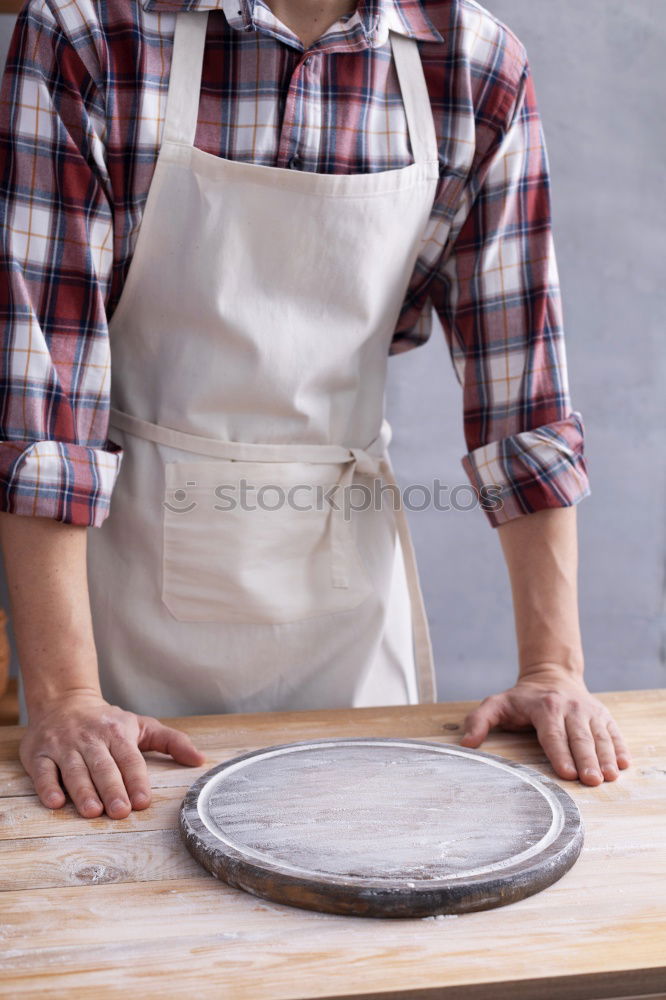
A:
(372, 460)
(367, 460)
(380, 466)
(248, 451)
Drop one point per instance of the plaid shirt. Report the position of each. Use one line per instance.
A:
(81, 112)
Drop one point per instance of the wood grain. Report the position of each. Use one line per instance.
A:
(47, 862)
(23, 816)
(598, 932)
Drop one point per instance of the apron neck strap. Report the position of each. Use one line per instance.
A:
(415, 97)
(184, 91)
(182, 109)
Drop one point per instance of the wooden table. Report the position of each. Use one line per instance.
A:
(110, 908)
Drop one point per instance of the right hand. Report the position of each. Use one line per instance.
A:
(96, 748)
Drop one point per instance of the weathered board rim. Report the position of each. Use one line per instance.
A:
(374, 897)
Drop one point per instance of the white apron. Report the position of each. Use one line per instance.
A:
(249, 346)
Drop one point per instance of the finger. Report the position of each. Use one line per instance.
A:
(605, 750)
(134, 772)
(552, 735)
(44, 774)
(583, 749)
(622, 754)
(108, 780)
(155, 736)
(77, 781)
(479, 722)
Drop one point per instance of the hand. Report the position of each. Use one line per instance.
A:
(578, 733)
(96, 747)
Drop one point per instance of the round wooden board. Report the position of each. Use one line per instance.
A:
(381, 827)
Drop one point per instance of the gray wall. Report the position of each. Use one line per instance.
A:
(599, 73)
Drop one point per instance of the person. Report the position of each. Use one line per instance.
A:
(220, 218)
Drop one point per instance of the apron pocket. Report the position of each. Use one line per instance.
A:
(256, 543)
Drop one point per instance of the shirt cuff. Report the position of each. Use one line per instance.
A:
(531, 470)
(66, 482)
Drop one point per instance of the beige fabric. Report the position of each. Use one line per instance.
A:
(250, 345)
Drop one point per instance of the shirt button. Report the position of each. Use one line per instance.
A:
(295, 162)
(307, 61)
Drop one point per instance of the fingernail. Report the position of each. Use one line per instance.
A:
(592, 773)
(118, 804)
(91, 804)
(140, 799)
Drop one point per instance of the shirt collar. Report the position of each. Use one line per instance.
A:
(406, 17)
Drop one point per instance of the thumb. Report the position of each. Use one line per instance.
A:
(156, 736)
(479, 722)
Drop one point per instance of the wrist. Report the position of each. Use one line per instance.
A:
(559, 654)
(40, 703)
(563, 670)
(50, 680)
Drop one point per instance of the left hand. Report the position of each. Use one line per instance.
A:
(577, 732)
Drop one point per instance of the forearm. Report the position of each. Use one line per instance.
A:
(541, 554)
(45, 563)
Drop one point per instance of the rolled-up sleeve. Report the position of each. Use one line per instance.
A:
(56, 259)
(497, 295)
